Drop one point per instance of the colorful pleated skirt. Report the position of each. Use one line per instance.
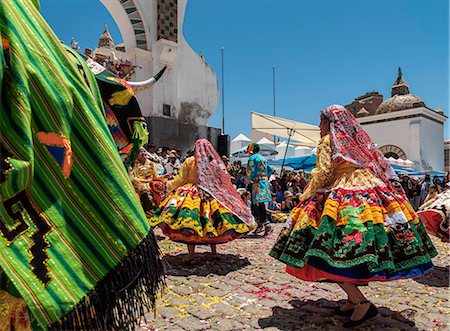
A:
(191, 216)
(358, 232)
(435, 214)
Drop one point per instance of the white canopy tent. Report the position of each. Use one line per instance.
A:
(266, 143)
(239, 142)
(401, 162)
(285, 151)
(305, 134)
(302, 151)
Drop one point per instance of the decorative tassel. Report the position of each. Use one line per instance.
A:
(140, 138)
(140, 132)
(123, 296)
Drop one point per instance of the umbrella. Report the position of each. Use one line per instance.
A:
(306, 134)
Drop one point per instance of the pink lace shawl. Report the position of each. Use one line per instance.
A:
(351, 142)
(215, 180)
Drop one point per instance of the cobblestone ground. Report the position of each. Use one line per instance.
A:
(247, 289)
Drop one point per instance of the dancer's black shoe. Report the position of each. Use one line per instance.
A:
(267, 230)
(347, 312)
(371, 313)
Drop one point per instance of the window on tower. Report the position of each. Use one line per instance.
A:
(166, 110)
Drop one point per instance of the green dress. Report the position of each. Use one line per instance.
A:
(74, 240)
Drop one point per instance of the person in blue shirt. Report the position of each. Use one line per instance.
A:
(258, 173)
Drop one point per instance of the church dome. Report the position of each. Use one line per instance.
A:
(400, 99)
(400, 102)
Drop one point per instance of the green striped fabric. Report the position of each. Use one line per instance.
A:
(70, 219)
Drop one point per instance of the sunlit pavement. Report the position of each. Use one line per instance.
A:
(247, 289)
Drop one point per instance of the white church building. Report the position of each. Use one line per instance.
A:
(403, 126)
(179, 106)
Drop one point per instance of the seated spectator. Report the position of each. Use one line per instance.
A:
(406, 184)
(432, 193)
(437, 184)
(301, 180)
(246, 197)
(273, 205)
(274, 212)
(287, 204)
(172, 165)
(279, 194)
(398, 186)
(273, 186)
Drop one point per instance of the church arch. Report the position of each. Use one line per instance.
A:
(393, 151)
(128, 18)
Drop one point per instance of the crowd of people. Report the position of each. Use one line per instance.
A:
(419, 190)
(285, 189)
(122, 69)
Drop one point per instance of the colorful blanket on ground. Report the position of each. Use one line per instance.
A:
(74, 239)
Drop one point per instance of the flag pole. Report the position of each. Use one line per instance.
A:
(223, 93)
(274, 104)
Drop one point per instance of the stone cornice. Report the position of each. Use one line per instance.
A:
(404, 114)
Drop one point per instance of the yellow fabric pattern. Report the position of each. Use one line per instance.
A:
(331, 173)
(339, 174)
(121, 98)
(206, 208)
(187, 174)
(13, 313)
(323, 173)
(348, 179)
(141, 173)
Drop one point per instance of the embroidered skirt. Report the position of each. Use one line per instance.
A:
(190, 215)
(435, 214)
(358, 232)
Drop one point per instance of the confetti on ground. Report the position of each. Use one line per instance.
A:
(245, 289)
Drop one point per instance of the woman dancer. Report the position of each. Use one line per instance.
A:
(202, 207)
(435, 214)
(148, 185)
(351, 226)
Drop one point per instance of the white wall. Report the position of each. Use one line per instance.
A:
(420, 138)
(432, 144)
(197, 83)
(392, 133)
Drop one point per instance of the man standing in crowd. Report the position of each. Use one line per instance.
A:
(415, 193)
(406, 184)
(425, 187)
(301, 180)
(258, 173)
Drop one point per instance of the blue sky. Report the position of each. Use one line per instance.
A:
(325, 51)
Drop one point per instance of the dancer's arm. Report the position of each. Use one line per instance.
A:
(183, 175)
(323, 173)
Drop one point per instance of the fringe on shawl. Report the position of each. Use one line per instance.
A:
(120, 300)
